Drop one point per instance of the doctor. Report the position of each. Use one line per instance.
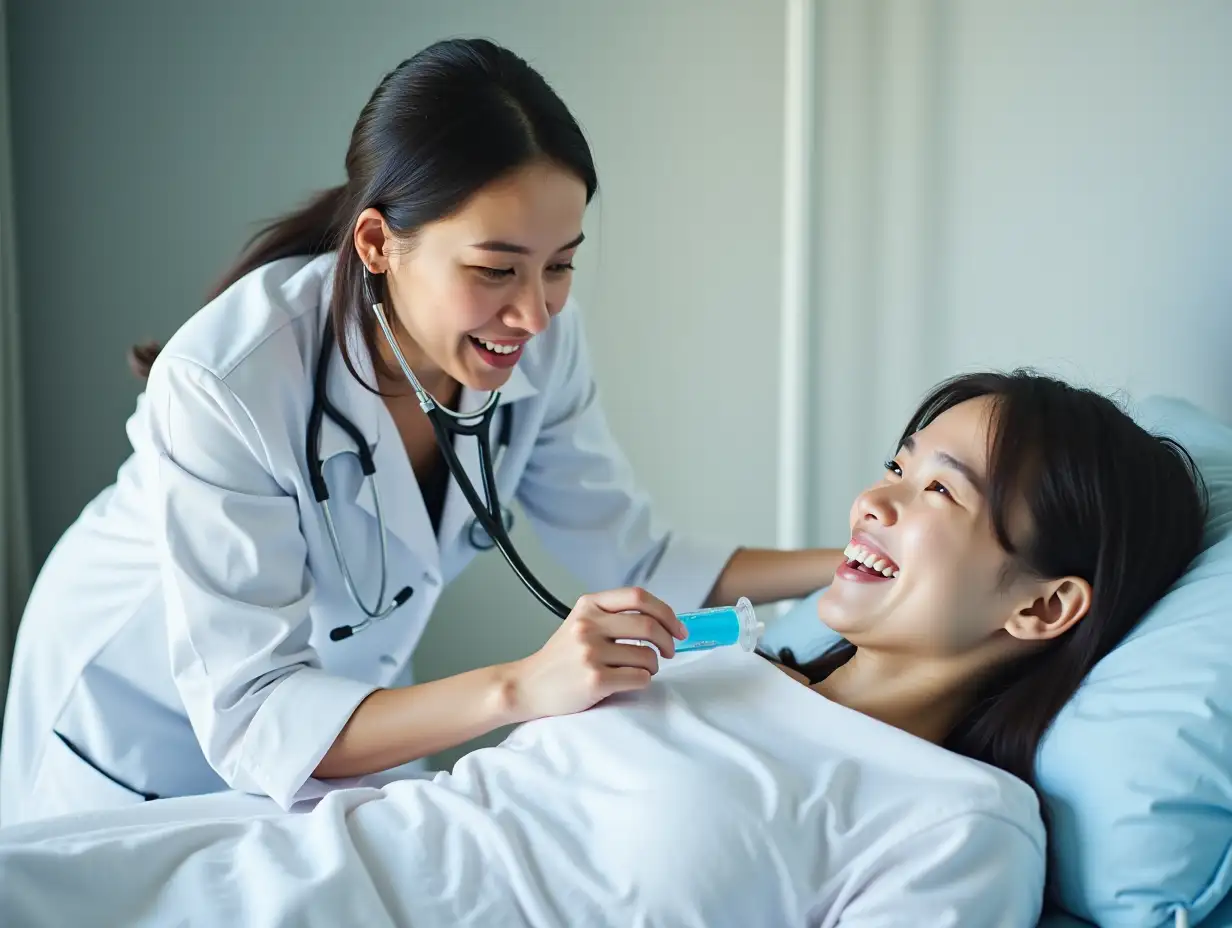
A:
(208, 623)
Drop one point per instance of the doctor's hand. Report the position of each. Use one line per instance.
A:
(583, 663)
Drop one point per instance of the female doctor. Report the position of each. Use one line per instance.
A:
(239, 610)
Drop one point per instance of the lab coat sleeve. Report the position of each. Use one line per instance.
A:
(588, 508)
(975, 869)
(238, 589)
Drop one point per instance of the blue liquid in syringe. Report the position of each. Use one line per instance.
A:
(720, 626)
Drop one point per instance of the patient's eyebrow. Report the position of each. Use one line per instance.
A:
(966, 470)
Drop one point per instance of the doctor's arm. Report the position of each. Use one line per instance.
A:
(581, 664)
(595, 517)
(766, 576)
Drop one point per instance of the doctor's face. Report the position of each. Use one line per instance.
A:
(473, 289)
(950, 589)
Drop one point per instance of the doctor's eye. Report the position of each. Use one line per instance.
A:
(562, 268)
(493, 273)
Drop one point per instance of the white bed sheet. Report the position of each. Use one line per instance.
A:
(725, 794)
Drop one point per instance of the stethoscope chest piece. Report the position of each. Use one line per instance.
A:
(478, 536)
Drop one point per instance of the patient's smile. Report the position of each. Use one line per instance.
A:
(869, 563)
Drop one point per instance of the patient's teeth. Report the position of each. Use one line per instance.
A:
(859, 554)
(895, 575)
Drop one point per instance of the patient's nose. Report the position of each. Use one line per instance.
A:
(876, 504)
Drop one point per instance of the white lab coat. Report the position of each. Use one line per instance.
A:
(178, 635)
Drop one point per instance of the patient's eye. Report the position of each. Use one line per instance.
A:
(892, 467)
(940, 488)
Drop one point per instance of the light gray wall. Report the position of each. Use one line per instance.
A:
(151, 137)
(1005, 183)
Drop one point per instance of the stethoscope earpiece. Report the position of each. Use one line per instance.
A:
(370, 284)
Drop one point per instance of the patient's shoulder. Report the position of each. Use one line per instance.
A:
(967, 787)
(793, 674)
(973, 868)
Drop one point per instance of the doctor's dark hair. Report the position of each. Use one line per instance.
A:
(442, 125)
(1106, 501)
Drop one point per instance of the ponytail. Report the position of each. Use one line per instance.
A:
(313, 229)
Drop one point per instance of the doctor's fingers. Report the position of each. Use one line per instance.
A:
(634, 626)
(632, 599)
(623, 679)
(618, 654)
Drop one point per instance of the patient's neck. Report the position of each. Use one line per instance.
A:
(925, 698)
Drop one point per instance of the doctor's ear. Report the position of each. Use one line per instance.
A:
(372, 237)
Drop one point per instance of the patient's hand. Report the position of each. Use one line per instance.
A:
(582, 662)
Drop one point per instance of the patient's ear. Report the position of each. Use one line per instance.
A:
(1055, 607)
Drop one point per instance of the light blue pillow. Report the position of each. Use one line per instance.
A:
(1062, 920)
(1137, 769)
(799, 629)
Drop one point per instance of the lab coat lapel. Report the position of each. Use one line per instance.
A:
(402, 505)
(346, 396)
(457, 514)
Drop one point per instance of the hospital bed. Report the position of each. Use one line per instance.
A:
(1137, 770)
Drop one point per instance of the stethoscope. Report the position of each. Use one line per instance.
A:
(491, 523)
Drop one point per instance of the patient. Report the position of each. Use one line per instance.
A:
(1027, 526)
(1019, 532)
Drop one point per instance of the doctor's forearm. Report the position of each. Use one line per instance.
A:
(395, 726)
(767, 576)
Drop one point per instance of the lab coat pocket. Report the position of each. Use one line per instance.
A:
(67, 782)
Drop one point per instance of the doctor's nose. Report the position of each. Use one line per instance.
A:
(530, 310)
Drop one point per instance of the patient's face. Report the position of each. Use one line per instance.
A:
(927, 524)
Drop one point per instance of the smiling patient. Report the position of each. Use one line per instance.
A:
(1018, 534)
(1020, 554)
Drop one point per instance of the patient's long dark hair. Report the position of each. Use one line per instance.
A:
(1108, 502)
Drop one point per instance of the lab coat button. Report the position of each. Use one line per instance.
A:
(388, 660)
(431, 580)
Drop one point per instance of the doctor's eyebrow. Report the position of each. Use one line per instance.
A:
(966, 470)
(512, 249)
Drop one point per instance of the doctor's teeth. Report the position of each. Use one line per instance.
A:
(497, 349)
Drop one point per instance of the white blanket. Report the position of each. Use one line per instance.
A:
(725, 794)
